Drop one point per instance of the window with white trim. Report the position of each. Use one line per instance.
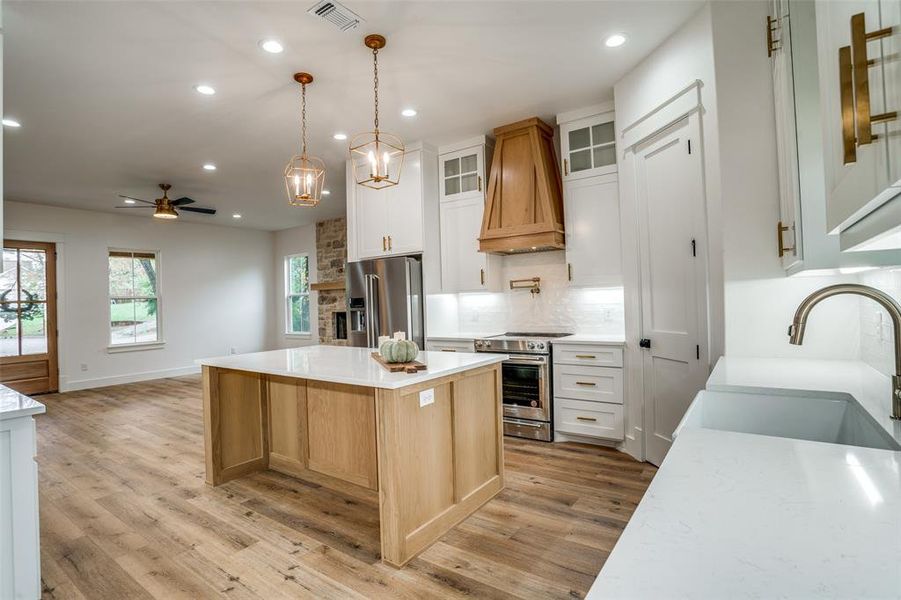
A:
(297, 294)
(134, 297)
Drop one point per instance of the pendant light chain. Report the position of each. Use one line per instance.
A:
(375, 69)
(303, 117)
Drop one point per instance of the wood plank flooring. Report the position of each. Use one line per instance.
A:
(125, 513)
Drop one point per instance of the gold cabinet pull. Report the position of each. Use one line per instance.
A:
(772, 44)
(569, 271)
(861, 65)
(586, 356)
(566, 166)
(389, 242)
(780, 239)
(586, 383)
(448, 349)
(482, 276)
(480, 183)
(846, 89)
(586, 419)
(384, 243)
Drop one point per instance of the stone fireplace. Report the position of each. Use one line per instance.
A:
(331, 254)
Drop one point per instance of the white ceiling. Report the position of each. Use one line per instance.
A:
(104, 90)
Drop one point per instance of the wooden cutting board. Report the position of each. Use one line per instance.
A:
(407, 367)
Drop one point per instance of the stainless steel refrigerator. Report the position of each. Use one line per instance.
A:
(385, 296)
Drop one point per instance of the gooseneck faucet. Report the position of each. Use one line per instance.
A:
(796, 331)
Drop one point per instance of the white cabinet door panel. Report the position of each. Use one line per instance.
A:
(594, 419)
(404, 208)
(597, 356)
(463, 267)
(596, 384)
(593, 248)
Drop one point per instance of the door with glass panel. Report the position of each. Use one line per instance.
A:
(588, 147)
(28, 354)
(461, 173)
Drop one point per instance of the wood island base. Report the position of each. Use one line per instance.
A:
(433, 451)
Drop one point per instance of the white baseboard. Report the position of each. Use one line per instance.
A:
(86, 384)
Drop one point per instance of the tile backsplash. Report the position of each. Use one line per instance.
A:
(876, 335)
(559, 307)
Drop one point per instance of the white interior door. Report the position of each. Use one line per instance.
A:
(672, 245)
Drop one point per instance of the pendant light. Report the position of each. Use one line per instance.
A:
(377, 157)
(304, 175)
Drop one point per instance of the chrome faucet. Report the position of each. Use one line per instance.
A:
(796, 331)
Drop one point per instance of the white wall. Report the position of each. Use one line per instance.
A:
(558, 308)
(215, 285)
(876, 334)
(297, 240)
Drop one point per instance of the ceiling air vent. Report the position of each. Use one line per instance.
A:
(338, 15)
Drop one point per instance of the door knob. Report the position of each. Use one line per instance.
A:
(645, 343)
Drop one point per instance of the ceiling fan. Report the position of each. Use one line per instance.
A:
(164, 208)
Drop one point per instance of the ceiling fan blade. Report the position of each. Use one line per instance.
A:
(134, 206)
(137, 199)
(182, 201)
(204, 211)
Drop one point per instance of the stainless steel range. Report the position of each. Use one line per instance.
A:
(526, 381)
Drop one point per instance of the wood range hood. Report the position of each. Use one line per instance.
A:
(524, 209)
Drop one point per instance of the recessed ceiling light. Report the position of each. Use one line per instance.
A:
(272, 46)
(129, 201)
(615, 40)
(408, 112)
(236, 216)
(11, 123)
(209, 167)
(326, 192)
(206, 90)
(340, 136)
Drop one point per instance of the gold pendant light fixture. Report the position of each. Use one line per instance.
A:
(377, 157)
(304, 175)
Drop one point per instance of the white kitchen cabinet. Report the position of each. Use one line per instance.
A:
(593, 247)
(804, 147)
(588, 392)
(20, 567)
(449, 345)
(587, 142)
(461, 173)
(463, 267)
(461, 169)
(857, 173)
(391, 221)
(789, 233)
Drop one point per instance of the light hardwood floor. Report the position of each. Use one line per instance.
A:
(125, 513)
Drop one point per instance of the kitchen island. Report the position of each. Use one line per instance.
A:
(430, 443)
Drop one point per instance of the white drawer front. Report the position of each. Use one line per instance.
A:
(594, 419)
(450, 345)
(597, 384)
(598, 356)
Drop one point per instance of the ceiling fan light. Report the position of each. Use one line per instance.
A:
(165, 211)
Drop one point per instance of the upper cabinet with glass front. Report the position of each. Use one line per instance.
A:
(588, 144)
(461, 169)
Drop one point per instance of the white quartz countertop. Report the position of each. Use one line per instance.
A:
(734, 515)
(14, 405)
(589, 338)
(869, 387)
(353, 366)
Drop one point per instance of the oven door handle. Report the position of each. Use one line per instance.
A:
(538, 360)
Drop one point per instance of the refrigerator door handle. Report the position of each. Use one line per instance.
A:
(409, 276)
(370, 297)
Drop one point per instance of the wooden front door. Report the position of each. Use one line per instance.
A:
(28, 353)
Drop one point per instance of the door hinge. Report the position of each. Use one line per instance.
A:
(694, 247)
(698, 352)
(772, 43)
(689, 146)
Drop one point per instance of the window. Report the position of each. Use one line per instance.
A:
(297, 288)
(134, 299)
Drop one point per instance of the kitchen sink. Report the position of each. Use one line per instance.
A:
(834, 419)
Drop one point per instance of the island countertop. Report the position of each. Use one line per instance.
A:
(352, 366)
(14, 405)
